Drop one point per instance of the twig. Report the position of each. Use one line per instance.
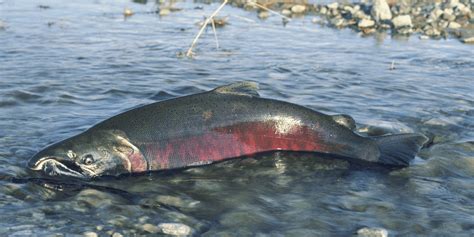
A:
(189, 53)
(270, 10)
(215, 33)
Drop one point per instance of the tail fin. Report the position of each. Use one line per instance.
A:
(399, 150)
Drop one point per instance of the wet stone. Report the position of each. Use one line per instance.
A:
(90, 234)
(176, 229)
(332, 6)
(364, 23)
(263, 15)
(372, 232)
(286, 12)
(298, 9)
(150, 228)
(454, 25)
(381, 11)
(164, 12)
(117, 234)
(402, 21)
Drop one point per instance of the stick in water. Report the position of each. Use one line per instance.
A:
(215, 33)
(189, 53)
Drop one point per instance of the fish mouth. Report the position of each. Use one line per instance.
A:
(54, 166)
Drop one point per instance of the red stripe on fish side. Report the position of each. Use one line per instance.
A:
(242, 139)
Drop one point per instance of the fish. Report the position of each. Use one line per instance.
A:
(230, 121)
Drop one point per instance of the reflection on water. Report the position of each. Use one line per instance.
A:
(64, 68)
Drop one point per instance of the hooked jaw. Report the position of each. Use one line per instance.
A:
(56, 166)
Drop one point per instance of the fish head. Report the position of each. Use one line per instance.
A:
(89, 155)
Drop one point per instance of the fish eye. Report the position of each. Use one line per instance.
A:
(88, 159)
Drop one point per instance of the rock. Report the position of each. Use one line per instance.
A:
(164, 12)
(150, 228)
(360, 15)
(449, 16)
(372, 232)
(381, 11)
(433, 32)
(334, 5)
(454, 25)
(90, 234)
(2, 25)
(117, 234)
(298, 9)
(127, 12)
(323, 10)
(469, 40)
(364, 23)
(453, 3)
(263, 15)
(402, 21)
(349, 9)
(467, 36)
(176, 229)
(337, 22)
(286, 12)
(424, 37)
(435, 14)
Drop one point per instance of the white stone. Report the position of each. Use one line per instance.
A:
(334, 5)
(381, 11)
(372, 232)
(402, 21)
(364, 23)
(454, 25)
(90, 234)
(298, 9)
(323, 10)
(286, 12)
(150, 228)
(263, 15)
(164, 12)
(175, 229)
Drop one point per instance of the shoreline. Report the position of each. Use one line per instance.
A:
(428, 20)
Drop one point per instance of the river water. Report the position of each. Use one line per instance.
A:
(66, 67)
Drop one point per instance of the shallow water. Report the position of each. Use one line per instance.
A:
(65, 68)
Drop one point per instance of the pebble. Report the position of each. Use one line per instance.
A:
(286, 12)
(381, 11)
(298, 9)
(454, 25)
(337, 22)
(372, 232)
(263, 15)
(117, 234)
(164, 12)
(402, 21)
(127, 12)
(323, 10)
(364, 23)
(176, 229)
(90, 234)
(469, 40)
(150, 228)
(334, 5)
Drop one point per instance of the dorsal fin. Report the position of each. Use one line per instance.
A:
(344, 120)
(245, 88)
